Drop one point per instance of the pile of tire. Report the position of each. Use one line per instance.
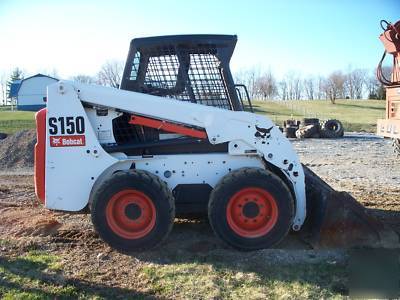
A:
(290, 127)
(314, 128)
(310, 128)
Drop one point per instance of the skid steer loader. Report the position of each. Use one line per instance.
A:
(180, 137)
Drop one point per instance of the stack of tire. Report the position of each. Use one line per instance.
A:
(396, 146)
(313, 128)
(290, 127)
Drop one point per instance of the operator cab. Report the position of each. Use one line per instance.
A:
(192, 68)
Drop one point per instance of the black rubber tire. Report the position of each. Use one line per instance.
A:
(290, 131)
(234, 182)
(308, 131)
(291, 122)
(3, 136)
(396, 146)
(332, 129)
(152, 187)
(310, 121)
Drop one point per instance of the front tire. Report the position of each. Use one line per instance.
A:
(251, 209)
(133, 211)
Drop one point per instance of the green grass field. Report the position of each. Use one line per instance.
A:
(356, 115)
(13, 121)
(39, 275)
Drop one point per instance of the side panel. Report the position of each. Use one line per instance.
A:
(72, 165)
(388, 128)
(195, 168)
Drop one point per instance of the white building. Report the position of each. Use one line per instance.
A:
(30, 93)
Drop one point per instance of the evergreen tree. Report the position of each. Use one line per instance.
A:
(16, 74)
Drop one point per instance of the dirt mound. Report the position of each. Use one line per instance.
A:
(27, 220)
(16, 151)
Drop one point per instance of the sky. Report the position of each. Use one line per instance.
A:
(308, 37)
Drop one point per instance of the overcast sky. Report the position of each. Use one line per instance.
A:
(77, 37)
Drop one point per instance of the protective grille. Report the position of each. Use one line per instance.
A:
(185, 74)
(206, 80)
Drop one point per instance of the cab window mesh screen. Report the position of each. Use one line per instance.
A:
(162, 71)
(187, 74)
(206, 80)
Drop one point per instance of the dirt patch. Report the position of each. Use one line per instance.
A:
(16, 151)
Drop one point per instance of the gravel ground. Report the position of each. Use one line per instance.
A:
(357, 160)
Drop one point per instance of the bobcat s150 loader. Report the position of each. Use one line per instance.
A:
(176, 139)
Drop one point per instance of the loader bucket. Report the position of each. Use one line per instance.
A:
(336, 220)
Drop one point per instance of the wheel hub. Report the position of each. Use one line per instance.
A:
(131, 214)
(252, 212)
(133, 211)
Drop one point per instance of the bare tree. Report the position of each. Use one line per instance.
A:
(334, 86)
(355, 82)
(294, 85)
(309, 87)
(249, 77)
(321, 93)
(3, 82)
(376, 89)
(110, 73)
(266, 86)
(283, 89)
(81, 78)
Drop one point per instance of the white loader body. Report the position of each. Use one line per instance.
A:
(76, 162)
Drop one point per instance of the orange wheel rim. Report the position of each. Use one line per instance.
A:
(252, 212)
(131, 214)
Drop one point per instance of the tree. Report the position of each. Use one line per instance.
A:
(16, 74)
(266, 86)
(110, 73)
(355, 82)
(283, 89)
(3, 82)
(293, 85)
(249, 77)
(321, 94)
(334, 86)
(309, 87)
(81, 78)
(375, 89)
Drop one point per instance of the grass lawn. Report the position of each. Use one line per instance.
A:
(13, 121)
(356, 115)
(220, 280)
(40, 275)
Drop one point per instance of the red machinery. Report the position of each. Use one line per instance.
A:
(390, 126)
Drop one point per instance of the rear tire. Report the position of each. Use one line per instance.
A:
(290, 131)
(133, 211)
(396, 146)
(332, 129)
(251, 209)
